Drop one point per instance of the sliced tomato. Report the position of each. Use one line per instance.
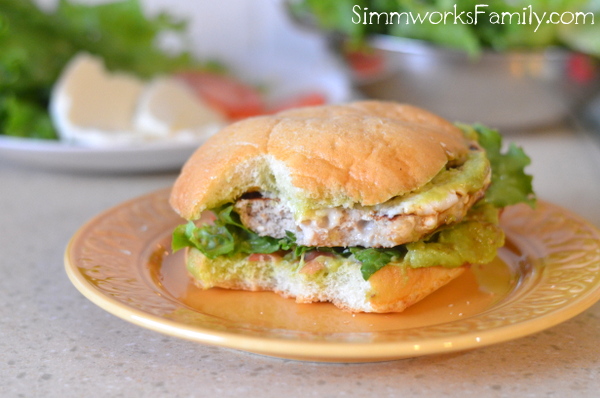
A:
(265, 257)
(308, 99)
(312, 267)
(235, 99)
(206, 218)
(311, 255)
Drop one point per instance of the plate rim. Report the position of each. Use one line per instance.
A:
(306, 350)
(35, 145)
(61, 156)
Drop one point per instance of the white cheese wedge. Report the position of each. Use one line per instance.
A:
(90, 105)
(168, 108)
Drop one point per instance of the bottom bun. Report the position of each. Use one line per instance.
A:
(324, 279)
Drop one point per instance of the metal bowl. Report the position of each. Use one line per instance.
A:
(510, 90)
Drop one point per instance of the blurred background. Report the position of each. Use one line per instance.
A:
(308, 52)
(522, 65)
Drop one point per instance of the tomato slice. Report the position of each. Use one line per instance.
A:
(311, 255)
(233, 98)
(265, 257)
(308, 99)
(237, 100)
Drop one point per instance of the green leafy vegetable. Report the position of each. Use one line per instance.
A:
(226, 236)
(510, 184)
(373, 260)
(36, 45)
(25, 118)
(524, 31)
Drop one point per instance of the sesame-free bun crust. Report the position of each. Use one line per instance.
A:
(337, 155)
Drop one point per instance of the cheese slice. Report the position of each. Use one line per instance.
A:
(168, 108)
(93, 106)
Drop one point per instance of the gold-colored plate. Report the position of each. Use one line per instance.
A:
(548, 272)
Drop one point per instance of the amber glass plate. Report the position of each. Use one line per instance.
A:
(548, 272)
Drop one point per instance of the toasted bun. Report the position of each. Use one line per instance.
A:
(339, 155)
(391, 289)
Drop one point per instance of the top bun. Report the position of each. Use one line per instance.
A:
(316, 157)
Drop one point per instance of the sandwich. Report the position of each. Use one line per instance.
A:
(369, 205)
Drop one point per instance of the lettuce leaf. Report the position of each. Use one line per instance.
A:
(461, 33)
(373, 259)
(25, 118)
(226, 236)
(510, 184)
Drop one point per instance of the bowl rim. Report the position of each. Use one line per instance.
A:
(408, 46)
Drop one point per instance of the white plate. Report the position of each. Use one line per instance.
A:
(155, 156)
(56, 155)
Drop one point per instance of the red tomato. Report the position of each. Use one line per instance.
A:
(365, 63)
(309, 99)
(581, 68)
(235, 99)
(264, 257)
(312, 267)
(206, 218)
(311, 255)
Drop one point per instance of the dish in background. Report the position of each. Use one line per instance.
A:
(546, 274)
(509, 91)
(94, 107)
(531, 80)
(55, 155)
(163, 155)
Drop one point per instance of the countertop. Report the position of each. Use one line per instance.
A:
(56, 343)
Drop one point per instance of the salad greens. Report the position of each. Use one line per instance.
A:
(36, 45)
(228, 236)
(373, 259)
(487, 33)
(510, 185)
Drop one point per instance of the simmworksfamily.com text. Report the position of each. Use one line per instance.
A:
(527, 16)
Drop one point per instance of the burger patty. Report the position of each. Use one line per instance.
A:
(378, 226)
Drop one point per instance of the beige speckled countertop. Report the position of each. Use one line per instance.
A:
(56, 343)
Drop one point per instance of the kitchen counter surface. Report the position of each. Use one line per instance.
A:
(56, 343)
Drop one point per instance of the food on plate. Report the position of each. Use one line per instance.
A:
(107, 80)
(93, 106)
(37, 45)
(230, 96)
(238, 100)
(369, 205)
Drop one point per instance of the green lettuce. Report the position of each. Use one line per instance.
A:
(225, 236)
(36, 45)
(475, 239)
(510, 184)
(22, 117)
(373, 259)
(523, 34)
